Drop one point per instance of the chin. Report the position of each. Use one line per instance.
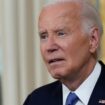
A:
(57, 75)
(58, 72)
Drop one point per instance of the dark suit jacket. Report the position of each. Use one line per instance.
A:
(51, 94)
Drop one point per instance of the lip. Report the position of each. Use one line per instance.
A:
(55, 61)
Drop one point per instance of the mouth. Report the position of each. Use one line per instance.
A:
(56, 60)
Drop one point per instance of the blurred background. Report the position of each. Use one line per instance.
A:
(21, 67)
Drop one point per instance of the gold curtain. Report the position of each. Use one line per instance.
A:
(102, 8)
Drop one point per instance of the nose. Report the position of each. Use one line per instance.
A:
(52, 49)
(52, 45)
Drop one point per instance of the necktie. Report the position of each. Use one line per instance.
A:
(71, 99)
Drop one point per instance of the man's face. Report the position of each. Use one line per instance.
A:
(64, 45)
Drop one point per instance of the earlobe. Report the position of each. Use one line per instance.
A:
(94, 39)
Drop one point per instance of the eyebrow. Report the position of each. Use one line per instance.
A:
(42, 31)
(57, 30)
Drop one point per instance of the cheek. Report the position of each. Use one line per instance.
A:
(69, 49)
(76, 50)
(42, 50)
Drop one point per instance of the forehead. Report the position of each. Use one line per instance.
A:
(61, 12)
(61, 8)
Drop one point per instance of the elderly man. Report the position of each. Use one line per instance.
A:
(70, 33)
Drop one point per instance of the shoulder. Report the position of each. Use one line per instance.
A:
(103, 68)
(46, 88)
(44, 93)
(102, 64)
(99, 89)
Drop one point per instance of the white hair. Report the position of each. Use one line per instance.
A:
(91, 17)
(89, 13)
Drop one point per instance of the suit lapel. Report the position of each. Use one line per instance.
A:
(57, 95)
(97, 97)
(98, 94)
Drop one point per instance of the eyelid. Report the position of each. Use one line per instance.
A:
(43, 35)
(61, 32)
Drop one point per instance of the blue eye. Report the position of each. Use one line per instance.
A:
(61, 33)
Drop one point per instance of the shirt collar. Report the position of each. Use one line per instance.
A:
(85, 89)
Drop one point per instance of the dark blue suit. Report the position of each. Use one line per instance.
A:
(51, 94)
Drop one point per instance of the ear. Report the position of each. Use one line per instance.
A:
(94, 39)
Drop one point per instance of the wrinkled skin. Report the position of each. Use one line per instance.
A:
(68, 51)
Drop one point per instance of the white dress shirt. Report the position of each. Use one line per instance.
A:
(85, 89)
